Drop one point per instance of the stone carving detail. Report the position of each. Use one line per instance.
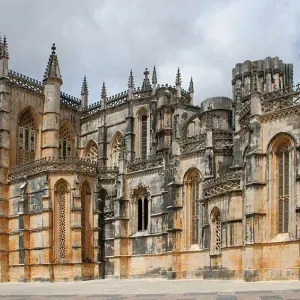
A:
(209, 163)
(280, 99)
(53, 164)
(108, 212)
(62, 220)
(150, 162)
(194, 143)
(224, 184)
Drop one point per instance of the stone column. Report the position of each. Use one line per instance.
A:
(121, 218)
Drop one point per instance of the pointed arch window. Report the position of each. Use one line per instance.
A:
(27, 138)
(192, 189)
(65, 141)
(283, 158)
(92, 151)
(144, 135)
(116, 151)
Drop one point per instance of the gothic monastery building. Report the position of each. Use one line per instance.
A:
(146, 184)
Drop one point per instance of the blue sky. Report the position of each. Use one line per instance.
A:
(104, 39)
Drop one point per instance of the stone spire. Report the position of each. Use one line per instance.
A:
(84, 88)
(130, 80)
(191, 87)
(146, 82)
(84, 93)
(103, 92)
(178, 77)
(154, 76)
(4, 48)
(52, 70)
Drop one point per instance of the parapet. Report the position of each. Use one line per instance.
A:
(216, 103)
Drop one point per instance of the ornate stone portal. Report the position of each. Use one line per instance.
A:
(144, 183)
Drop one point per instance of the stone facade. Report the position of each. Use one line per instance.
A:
(144, 183)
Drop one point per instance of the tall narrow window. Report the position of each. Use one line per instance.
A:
(62, 189)
(195, 210)
(144, 136)
(65, 141)
(283, 188)
(116, 151)
(27, 138)
(192, 185)
(216, 230)
(142, 214)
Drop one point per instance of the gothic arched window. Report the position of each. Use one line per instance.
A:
(192, 187)
(216, 230)
(116, 151)
(65, 141)
(283, 157)
(92, 151)
(27, 138)
(281, 174)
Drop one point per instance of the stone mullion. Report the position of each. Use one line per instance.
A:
(4, 165)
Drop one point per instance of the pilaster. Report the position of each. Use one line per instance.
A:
(4, 165)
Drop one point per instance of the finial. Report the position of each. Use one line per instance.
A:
(131, 80)
(84, 88)
(178, 77)
(52, 69)
(191, 87)
(103, 91)
(53, 48)
(146, 82)
(154, 76)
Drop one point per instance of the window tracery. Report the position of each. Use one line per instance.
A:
(62, 190)
(65, 141)
(92, 152)
(283, 187)
(27, 138)
(144, 135)
(216, 230)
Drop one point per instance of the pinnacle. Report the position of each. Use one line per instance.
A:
(146, 82)
(103, 91)
(52, 69)
(131, 80)
(178, 77)
(84, 88)
(154, 76)
(191, 87)
(4, 47)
